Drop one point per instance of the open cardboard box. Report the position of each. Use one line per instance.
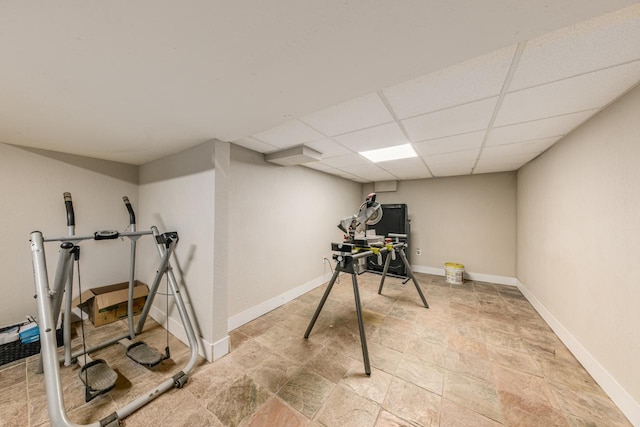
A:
(109, 303)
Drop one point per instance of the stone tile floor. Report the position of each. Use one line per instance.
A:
(479, 356)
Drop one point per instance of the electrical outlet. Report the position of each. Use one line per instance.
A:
(418, 251)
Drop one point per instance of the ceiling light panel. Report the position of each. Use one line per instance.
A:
(363, 112)
(390, 153)
(450, 144)
(584, 92)
(255, 145)
(462, 119)
(478, 78)
(373, 138)
(328, 148)
(293, 132)
(553, 126)
(601, 42)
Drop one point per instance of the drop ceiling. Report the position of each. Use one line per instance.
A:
(475, 87)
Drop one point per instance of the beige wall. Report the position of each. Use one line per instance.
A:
(31, 185)
(177, 193)
(282, 222)
(466, 219)
(579, 237)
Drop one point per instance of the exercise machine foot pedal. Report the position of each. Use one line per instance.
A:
(98, 378)
(144, 355)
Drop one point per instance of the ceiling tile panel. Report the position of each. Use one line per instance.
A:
(584, 92)
(369, 172)
(450, 144)
(519, 148)
(318, 166)
(346, 160)
(472, 80)
(459, 156)
(457, 120)
(328, 148)
(553, 126)
(363, 112)
(451, 169)
(293, 132)
(498, 167)
(382, 136)
(406, 168)
(255, 145)
(601, 42)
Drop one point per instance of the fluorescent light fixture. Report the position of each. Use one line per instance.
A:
(390, 153)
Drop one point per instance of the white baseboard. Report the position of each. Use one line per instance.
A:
(627, 404)
(254, 312)
(210, 351)
(482, 277)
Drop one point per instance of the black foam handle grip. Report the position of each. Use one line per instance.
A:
(71, 218)
(132, 215)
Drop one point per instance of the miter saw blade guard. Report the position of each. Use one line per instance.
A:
(370, 213)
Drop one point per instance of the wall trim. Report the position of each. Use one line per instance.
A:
(254, 312)
(627, 404)
(210, 351)
(491, 278)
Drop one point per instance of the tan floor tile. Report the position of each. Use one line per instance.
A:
(13, 405)
(526, 399)
(347, 409)
(454, 415)
(387, 419)
(238, 401)
(481, 346)
(513, 359)
(250, 354)
(210, 380)
(331, 364)
(571, 374)
(383, 358)
(12, 375)
(587, 407)
(474, 394)
(430, 377)
(274, 412)
(273, 373)
(306, 392)
(469, 365)
(427, 351)
(412, 403)
(463, 344)
(373, 387)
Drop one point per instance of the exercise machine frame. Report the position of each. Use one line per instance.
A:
(49, 303)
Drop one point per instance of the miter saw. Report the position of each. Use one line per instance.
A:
(370, 213)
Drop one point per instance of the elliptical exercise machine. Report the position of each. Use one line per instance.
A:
(96, 375)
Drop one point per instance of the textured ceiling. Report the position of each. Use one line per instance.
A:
(492, 113)
(135, 81)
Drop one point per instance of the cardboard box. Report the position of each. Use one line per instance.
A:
(109, 303)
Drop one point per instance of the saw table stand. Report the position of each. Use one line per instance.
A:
(346, 258)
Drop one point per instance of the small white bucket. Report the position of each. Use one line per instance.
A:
(454, 273)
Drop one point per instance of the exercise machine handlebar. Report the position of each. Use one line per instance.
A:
(132, 215)
(68, 203)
